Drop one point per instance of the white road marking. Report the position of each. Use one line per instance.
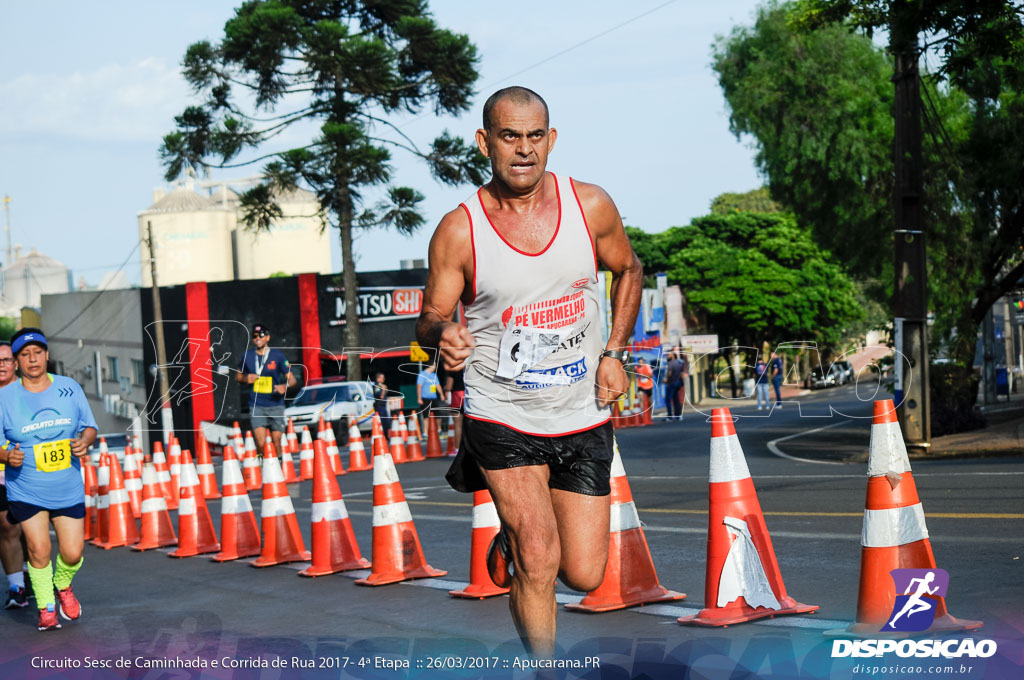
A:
(773, 445)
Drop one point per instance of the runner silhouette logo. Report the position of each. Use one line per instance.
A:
(917, 595)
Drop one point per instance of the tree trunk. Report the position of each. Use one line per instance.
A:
(353, 365)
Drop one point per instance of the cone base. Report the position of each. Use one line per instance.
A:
(284, 559)
(214, 497)
(203, 550)
(396, 577)
(351, 565)
(359, 468)
(152, 545)
(650, 596)
(227, 557)
(720, 617)
(116, 544)
(946, 623)
(476, 591)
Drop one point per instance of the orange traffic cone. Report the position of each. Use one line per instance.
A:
(236, 436)
(742, 581)
(616, 415)
(894, 535)
(282, 540)
(121, 527)
(334, 543)
(157, 530)
(450, 443)
(397, 443)
(163, 475)
(102, 500)
(306, 454)
(485, 527)
(356, 450)
(89, 483)
(205, 470)
(195, 526)
(378, 445)
(133, 482)
(433, 438)
(174, 465)
(291, 444)
(413, 449)
(645, 405)
(287, 465)
(333, 454)
(629, 577)
(251, 464)
(397, 554)
(239, 532)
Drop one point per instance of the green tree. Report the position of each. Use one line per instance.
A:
(345, 65)
(818, 100)
(758, 201)
(8, 327)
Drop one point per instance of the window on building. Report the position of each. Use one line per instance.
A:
(138, 372)
(112, 374)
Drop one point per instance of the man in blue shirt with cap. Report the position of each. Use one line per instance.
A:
(269, 375)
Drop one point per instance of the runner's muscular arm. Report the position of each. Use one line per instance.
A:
(451, 267)
(615, 252)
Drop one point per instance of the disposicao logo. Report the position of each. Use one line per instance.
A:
(918, 592)
(914, 610)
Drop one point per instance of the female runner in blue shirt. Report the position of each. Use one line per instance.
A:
(49, 427)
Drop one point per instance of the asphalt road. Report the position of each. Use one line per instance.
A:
(147, 606)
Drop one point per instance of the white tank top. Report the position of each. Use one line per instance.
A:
(535, 321)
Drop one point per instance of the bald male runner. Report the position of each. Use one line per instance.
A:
(522, 255)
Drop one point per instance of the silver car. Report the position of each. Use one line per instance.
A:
(336, 402)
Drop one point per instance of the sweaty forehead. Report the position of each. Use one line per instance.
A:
(513, 114)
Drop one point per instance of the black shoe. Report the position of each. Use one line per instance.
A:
(499, 560)
(16, 599)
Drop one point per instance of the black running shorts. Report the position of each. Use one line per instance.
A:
(19, 512)
(3, 497)
(580, 462)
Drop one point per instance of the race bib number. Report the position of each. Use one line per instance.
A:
(522, 348)
(263, 385)
(53, 456)
(433, 389)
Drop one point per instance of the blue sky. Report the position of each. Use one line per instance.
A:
(89, 89)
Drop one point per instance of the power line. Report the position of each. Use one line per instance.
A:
(100, 294)
(557, 54)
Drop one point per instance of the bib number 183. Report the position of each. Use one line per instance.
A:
(53, 456)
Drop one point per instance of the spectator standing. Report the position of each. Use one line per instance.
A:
(761, 383)
(673, 383)
(429, 392)
(380, 401)
(455, 388)
(776, 370)
(645, 380)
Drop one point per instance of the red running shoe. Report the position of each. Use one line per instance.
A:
(48, 619)
(70, 609)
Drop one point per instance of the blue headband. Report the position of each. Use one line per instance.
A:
(28, 338)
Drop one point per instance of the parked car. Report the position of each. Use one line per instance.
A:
(336, 402)
(826, 377)
(847, 371)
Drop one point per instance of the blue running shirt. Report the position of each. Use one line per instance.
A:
(40, 422)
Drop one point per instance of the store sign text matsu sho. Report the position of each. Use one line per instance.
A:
(379, 303)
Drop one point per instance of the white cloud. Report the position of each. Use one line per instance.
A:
(115, 102)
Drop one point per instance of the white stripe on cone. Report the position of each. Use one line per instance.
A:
(231, 474)
(887, 451)
(624, 517)
(384, 470)
(329, 510)
(154, 504)
(276, 507)
(485, 516)
(116, 496)
(186, 506)
(727, 461)
(893, 527)
(743, 573)
(235, 505)
(392, 513)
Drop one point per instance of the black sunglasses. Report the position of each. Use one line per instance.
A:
(261, 334)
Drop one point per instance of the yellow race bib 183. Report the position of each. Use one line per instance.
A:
(263, 385)
(53, 456)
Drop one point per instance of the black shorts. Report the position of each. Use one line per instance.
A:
(19, 512)
(3, 498)
(580, 462)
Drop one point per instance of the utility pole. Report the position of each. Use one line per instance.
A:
(910, 299)
(166, 417)
(8, 261)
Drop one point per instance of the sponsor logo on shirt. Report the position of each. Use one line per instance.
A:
(566, 374)
(556, 313)
(45, 424)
